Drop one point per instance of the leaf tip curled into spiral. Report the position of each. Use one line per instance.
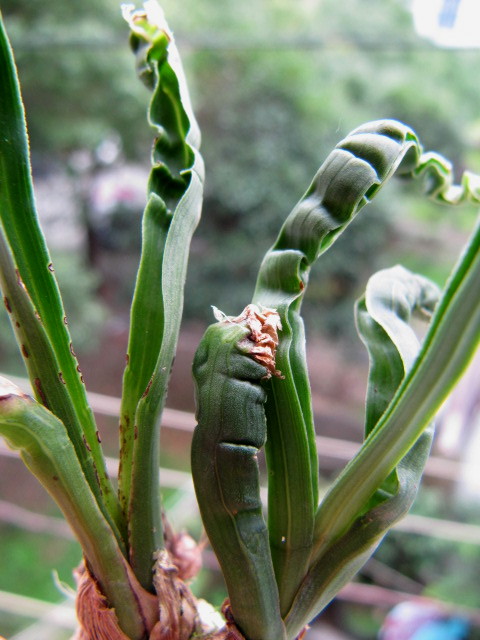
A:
(261, 343)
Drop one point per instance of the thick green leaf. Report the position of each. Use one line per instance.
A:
(43, 369)
(47, 451)
(357, 167)
(450, 343)
(344, 532)
(352, 174)
(231, 429)
(25, 239)
(170, 218)
(383, 316)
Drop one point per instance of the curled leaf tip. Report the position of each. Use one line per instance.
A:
(149, 22)
(8, 389)
(264, 324)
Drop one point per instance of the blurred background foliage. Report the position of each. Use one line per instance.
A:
(275, 84)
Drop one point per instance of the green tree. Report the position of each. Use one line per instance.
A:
(321, 68)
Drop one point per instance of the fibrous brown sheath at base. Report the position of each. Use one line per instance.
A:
(169, 615)
(178, 618)
(97, 620)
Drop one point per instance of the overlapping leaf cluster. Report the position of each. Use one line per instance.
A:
(316, 548)
(281, 572)
(56, 433)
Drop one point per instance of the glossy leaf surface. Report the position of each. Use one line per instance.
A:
(230, 432)
(47, 451)
(348, 179)
(173, 209)
(383, 317)
(25, 249)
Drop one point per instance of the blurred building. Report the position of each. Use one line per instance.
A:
(448, 23)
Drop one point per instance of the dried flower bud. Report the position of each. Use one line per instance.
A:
(264, 325)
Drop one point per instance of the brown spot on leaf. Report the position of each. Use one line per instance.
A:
(61, 378)
(99, 439)
(38, 386)
(50, 267)
(6, 302)
(135, 432)
(145, 393)
(24, 351)
(72, 351)
(127, 359)
(65, 321)
(86, 443)
(20, 281)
